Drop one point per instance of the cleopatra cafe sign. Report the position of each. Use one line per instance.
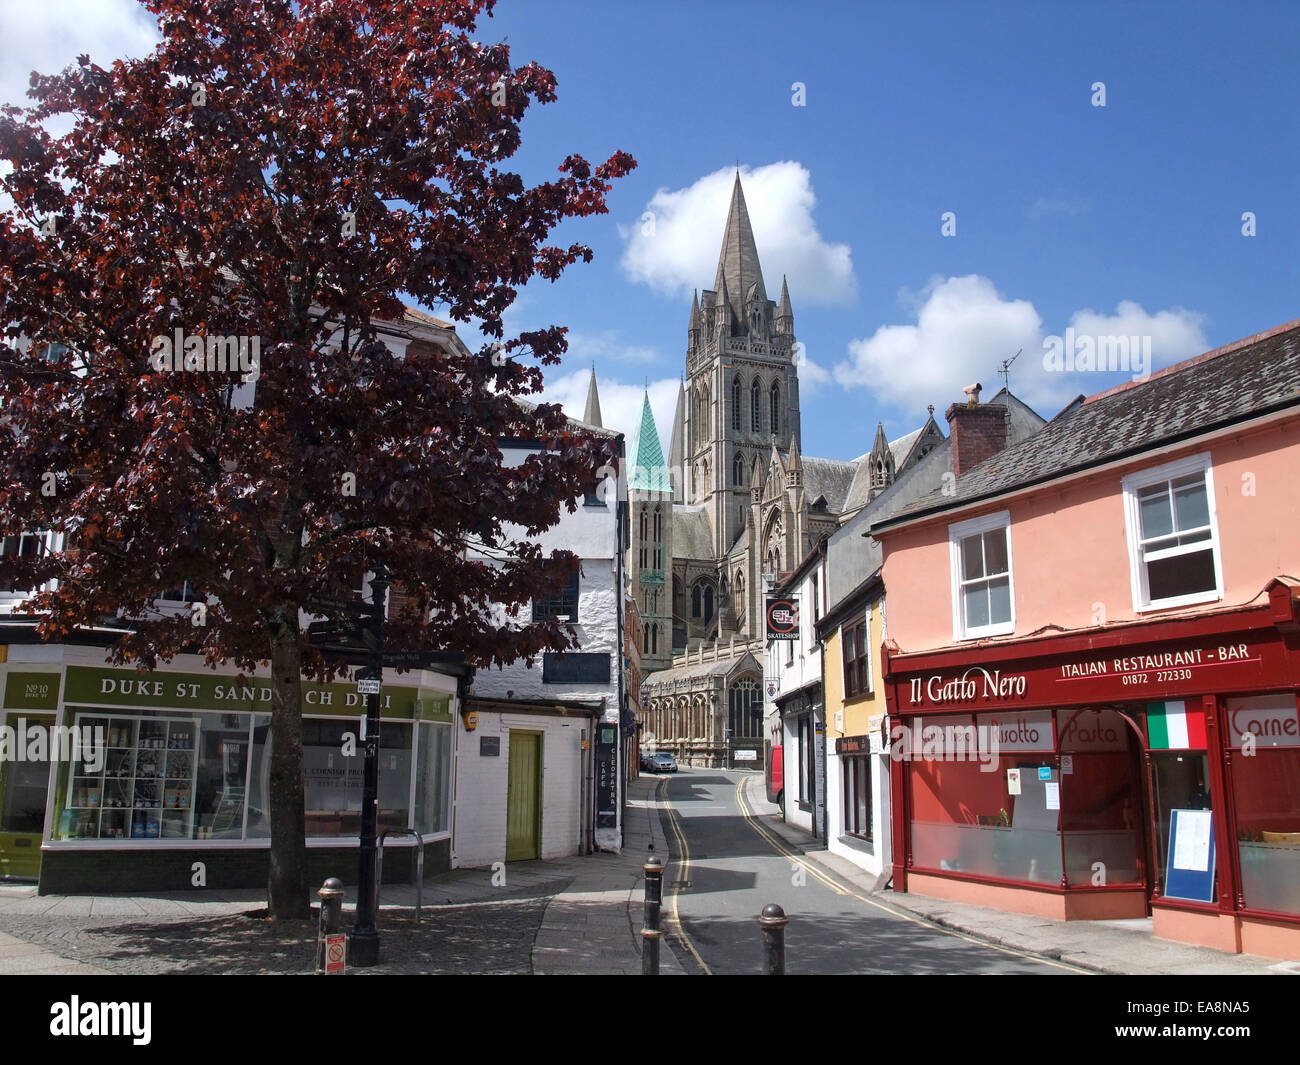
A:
(975, 685)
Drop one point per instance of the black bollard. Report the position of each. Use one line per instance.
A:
(331, 916)
(650, 934)
(772, 921)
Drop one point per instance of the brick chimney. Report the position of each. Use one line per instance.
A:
(977, 432)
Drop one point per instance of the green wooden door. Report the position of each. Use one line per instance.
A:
(23, 787)
(524, 797)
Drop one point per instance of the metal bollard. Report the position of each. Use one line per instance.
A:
(772, 921)
(331, 916)
(650, 934)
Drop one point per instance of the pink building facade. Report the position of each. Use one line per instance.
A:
(1093, 656)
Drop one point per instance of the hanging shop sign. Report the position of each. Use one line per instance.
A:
(606, 775)
(782, 619)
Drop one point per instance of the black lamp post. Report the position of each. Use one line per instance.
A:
(363, 943)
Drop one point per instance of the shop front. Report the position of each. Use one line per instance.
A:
(1150, 768)
(159, 780)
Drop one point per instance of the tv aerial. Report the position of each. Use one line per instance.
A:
(1005, 371)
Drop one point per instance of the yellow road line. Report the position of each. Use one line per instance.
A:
(779, 845)
(681, 875)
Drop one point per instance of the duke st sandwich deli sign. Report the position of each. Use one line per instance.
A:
(1124, 675)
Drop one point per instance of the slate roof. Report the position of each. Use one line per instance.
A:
(1242, 380)
(692, 536)
(667, 678)
(831, 478)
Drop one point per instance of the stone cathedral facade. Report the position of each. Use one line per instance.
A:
(733, 504)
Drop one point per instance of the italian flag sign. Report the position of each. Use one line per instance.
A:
(1175, 726)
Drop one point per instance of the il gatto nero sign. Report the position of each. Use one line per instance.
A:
(976, 684)
(1128, 674)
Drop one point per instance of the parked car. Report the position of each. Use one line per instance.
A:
(659, 762)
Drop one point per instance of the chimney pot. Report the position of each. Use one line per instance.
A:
(976, 432)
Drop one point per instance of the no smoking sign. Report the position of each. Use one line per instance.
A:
(335, 952)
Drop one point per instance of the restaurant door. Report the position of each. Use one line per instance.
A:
(24, 784)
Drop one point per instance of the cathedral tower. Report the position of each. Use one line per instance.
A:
(742, 393)
(650, 552)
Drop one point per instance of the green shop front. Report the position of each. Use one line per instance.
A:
(158, 780)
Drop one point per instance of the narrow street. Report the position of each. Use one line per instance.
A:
(727, 866)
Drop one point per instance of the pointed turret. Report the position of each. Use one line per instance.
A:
(724, 309)
(794, 466)
(756, 481)
(784, 312)
(738, 261)
(647, 470)
(882, 462)
(592, 414)
(677, 446)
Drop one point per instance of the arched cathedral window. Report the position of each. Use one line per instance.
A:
(776, 408)
(735, 402)
(738, 471)
(755, 403)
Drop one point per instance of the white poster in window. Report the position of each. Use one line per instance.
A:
(1013, 781)
(1052, 793)
(1192, 846)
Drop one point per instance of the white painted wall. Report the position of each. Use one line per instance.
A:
(479, 818)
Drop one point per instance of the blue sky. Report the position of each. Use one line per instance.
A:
(1116, 220)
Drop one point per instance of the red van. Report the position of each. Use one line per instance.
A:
(775, 774)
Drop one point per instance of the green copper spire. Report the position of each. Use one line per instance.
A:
(647, 470)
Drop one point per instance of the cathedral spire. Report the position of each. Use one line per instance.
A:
(738, 267)
(677, 446)
(592, 414)
(647, 471)
(784, 312)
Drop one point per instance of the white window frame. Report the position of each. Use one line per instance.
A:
(956, 534)
(51, 543)
(1133, 483)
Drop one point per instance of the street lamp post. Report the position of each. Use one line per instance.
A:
(363, 944)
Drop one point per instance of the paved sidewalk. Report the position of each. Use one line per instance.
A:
(593, 927)
(1114, 947)
(17, 957)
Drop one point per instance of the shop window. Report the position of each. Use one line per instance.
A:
(857, 659)
(1266, 789)
(807, 773)
(966, 814)
(981, 575)
(433, 779)
(1173, 535)
(856, 773)
(561, 605)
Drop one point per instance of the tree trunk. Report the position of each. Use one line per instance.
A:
(287, 890)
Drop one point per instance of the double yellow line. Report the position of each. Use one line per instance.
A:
(681, 875)
(779, 845)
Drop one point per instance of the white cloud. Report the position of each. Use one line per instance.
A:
(597, 347)
(49, 35)
(674, 246)
(620, 403)
(965, 328)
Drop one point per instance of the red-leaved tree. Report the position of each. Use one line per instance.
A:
(286, 173)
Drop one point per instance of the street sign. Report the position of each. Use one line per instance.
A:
(368, 687)
(335, 952)
(330, 606)
(319, 632)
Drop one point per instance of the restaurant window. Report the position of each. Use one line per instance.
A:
(981, 576)
(856, 771)
(561, 605)
(966, 814)
(857, 659)
(1266, 790)
(1172, 534)
(806, 755)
